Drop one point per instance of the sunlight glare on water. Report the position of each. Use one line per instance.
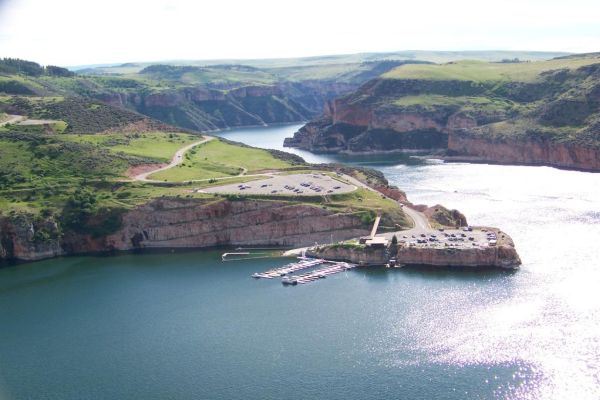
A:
(547, 314)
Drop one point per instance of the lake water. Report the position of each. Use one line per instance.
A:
(184, 325)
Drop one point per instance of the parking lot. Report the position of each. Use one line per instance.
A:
(448, 238)
(296, 184)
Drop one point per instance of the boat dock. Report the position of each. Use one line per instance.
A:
(317, 274)
(289, 268)
(304, 263)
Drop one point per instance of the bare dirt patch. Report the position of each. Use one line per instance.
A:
(136, 170)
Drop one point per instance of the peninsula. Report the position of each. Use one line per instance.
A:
(509, 112)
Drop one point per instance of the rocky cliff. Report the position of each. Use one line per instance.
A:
(172, 223)
(466, 146)
(25, 237)
(553, 119)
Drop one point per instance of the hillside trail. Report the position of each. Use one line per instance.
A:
(175, 161)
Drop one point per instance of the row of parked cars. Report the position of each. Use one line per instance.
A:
(293, 189)
(450, 237)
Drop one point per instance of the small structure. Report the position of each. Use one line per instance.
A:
(372, 240)
(377, 242)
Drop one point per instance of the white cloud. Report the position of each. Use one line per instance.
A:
(68, 32)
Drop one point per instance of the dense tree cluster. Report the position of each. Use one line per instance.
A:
(30, 68)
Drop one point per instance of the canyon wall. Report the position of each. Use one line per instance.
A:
(200, 108)
(468, 147)
(554, 121)
(172, 223)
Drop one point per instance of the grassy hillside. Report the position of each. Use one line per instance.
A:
(479, 71)
(40, 171)
(155, 146)
(556, 100)
(78, 115)
(218, 159)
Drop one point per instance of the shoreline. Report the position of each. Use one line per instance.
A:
(482, 160)
(273, 124)
(8, 263)
(427, 155)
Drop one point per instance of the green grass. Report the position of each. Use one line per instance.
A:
(54, 126)
(159, 146)
(465, 103)
(219, 159)
(462, 101)
(479, 71)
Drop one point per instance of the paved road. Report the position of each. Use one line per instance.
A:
(177, 159)
(420, 220)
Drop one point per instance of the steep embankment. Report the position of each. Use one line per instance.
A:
(528, 113)
(177, 223)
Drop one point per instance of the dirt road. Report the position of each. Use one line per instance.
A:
(13, 119)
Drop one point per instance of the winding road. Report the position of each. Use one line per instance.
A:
(177, 159)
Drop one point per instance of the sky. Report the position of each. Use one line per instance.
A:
(81, 32)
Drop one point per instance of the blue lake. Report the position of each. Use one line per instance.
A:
(184, 325)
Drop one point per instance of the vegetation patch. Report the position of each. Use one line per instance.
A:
(157, 146)
(479, 71)
(219, 159)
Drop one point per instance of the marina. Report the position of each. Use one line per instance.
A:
(317, 274)
(304, 263)
(289, 268)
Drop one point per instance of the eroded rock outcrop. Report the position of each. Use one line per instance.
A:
(27, 237)
(534, 151)
(172, 223)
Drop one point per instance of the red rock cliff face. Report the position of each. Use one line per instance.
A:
(25, 238)
(523, 152)
(374, 119)
(502, 256)
(339, 111)
(194, 224)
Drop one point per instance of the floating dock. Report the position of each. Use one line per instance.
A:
(304, 263)
(317, 274)
(289, 268)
